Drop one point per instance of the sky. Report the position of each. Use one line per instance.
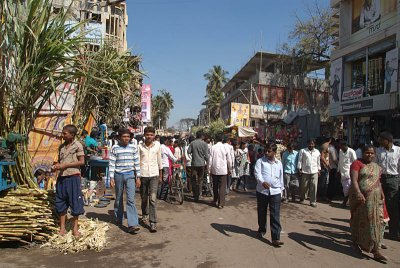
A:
(180, 40)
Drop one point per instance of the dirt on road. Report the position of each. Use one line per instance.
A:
(199, 235)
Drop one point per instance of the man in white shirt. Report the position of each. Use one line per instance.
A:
(220, 165)
(269, 175)
(229, 148)
(388, 158)
(309, 166)
(166, 155)
(151, 167)
(346, 157)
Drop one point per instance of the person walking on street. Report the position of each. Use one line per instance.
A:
(388, 157)
(124, 169)
(219, 167)
(188, 165)
(269, 176)
(198, 150)
(244, 165)
(333, 178)
(346, 157)
(366, 204)
(309, 166)
(151, 171)
(291, 181)
(228, 145)
(166, 158)
(323, 180)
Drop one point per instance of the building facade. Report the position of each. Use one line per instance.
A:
(106, 21)
(364, 62)
(261, 95)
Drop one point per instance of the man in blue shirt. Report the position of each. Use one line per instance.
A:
(289, 163)
(269, 175)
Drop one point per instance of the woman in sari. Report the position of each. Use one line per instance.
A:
(366, 204)
(244, 165)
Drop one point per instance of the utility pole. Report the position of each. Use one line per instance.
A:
(290, 99)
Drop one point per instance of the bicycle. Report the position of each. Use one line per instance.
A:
(176, 185)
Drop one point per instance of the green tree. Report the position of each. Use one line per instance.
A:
(216, 127)
(109, 88)
(216, 78)
(38, 53)
(162, 104)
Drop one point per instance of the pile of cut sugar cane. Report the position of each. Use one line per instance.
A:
(92, 236)
(26, 215)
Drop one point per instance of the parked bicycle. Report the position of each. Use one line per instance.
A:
(176, 185)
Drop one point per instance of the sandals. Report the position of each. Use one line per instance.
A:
(379, 257)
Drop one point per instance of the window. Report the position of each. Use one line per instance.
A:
(375, 76)
(96, 17)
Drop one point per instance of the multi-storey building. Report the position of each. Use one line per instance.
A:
(106, 20)
(263, 93)
(364, 77)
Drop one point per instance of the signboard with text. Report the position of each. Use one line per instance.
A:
(240, 113)
(146, 104)
(391, 67)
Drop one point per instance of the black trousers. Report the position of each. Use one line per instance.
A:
(274, 203)
(391, 189)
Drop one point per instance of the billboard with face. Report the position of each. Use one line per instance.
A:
(372, 15)
(240, 114)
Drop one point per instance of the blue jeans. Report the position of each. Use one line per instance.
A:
(125, 181)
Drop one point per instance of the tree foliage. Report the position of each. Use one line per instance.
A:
(162, 104)
(216, 78)
(107, 89)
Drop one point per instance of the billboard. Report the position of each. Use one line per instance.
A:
(240, 113)
(371, 16)
(257, 111)
(146, 104)
(335, 81)
(95, 32)
(391, 66)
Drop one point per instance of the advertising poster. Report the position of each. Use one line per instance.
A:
(335, 81)
(368, 14)
(240, 113)
(94, 32)
(257, 111)
(391, 66)
(146, 104)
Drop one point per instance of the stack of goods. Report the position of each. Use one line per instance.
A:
(92, 236)
(26, 215)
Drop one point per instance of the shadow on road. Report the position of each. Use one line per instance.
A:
(331, 225)
(229, 228)
(327, 241)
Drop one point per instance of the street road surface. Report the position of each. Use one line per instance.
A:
(198, 235)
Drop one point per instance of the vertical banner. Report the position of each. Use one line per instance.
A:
(240, 113)
(391, 66)
(335, 81)
(146, 104)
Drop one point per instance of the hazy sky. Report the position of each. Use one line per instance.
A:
(180, 40)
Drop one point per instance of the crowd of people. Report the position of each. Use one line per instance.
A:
(366, 178)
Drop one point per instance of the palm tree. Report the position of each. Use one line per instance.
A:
(162, 104)
(216, 78)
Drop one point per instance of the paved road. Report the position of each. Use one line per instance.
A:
(198, 235)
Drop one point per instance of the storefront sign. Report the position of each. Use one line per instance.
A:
(358, 105)
(391, 66)
(273, 108)
(257, 111)
(352, 94)
(336, 81)
(240, 113)
(146, 104)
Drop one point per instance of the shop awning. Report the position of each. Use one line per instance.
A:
(243, 132)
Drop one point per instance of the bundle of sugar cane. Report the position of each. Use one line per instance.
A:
(92, 236)
(26, 215)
